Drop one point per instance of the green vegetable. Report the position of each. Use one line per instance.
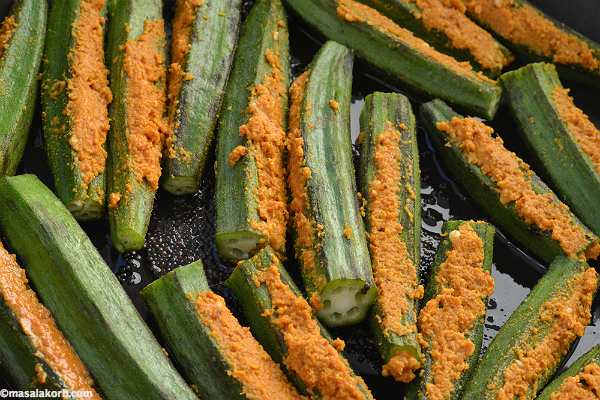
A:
(532, 36)
(530, 346)
(388, 179)
(74, 76)
(396, 55)
(87, 301)
(579, 366)
(283, 323)
(482, 51)
(530, 95)
(19, 68)
(197, 349)
(133, 174)
(329, 233)
(439, 293)
(21, 352)
(250, 187)
(193, 109)
(578, 240)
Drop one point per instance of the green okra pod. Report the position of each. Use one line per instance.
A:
(389, 183)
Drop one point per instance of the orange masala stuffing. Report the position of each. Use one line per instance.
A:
(522, 24)
(311, 356)
(146, 101)
(89, 92)
(37, 323)
(448, 16)
(6, 31)
(353, 11)
(583, 130)
(251, 365)
(446, 320)
(512, 176)
(266, 141)
(583, 386)
(570, 313)
(236, 154)
(185, 15)
(394, 273)
(114, 199)
(298, 175)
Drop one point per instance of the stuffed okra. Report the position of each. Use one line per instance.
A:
(85, 298)
(251, 197)
(330, 242)
(579, 381)
(283, 322)
(75, 99)
(564, 141)
(388, 180)
(202, 47)
(136, 55)
(219, 357)
(22, 36)
(530, 346)
(505, 186)
(446, 28)
(398, 56)
(32, 349)
(533, 37)
(451, 321)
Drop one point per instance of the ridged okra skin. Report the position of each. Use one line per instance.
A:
(586, 365)
(406, 65)
(389, 183)
(485, 192)
(19, 361)
(18, 355)
(137, 102)
(193, 110)
(279, 319)
(471, 287)
(486, 55)
(530, 346)
(19, 86)
(248, 176)
(172, 302)
(534, 94)
(73, 30)
(330, 242)
(87, 301)
(532, 36)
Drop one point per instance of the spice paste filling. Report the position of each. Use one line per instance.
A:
(394, 273)
(569, 313)
(311, 356)
(6, 31)
(523, 25)
(298, 175)
(146, 102)
(585, 385)
(582, 129)
(448, 16)
(89, 92)
(261, 378)
(445, 322)
(353, 11)
(185, 16)
(38, 324)
(265, 144)
(512, 176)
